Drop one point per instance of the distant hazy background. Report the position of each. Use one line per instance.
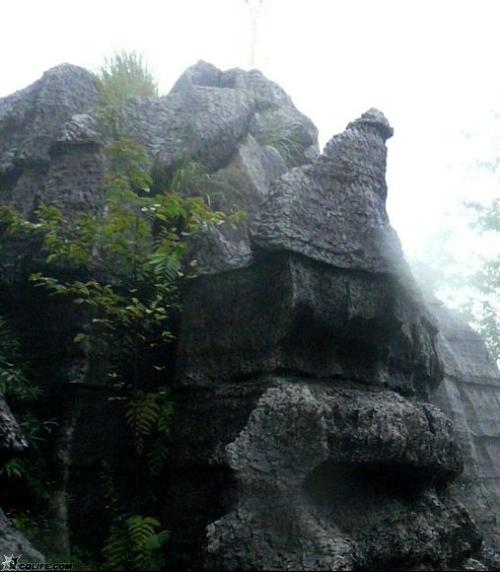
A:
(432, 67)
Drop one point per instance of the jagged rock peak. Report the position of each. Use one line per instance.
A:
(204, 74)
(201, 73)
(65, 70)
(31, 119)
(373, 119)
(334, 209)
(358, 155)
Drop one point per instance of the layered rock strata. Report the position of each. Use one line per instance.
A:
(309, 368)
(304, 383)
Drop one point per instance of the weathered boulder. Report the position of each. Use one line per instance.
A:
(329, 476)
(31, 119)
(32, 167)
(54, 140)
(208, 112)
(240, 186)
(334, 210)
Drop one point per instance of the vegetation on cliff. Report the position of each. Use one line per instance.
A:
(122, 266)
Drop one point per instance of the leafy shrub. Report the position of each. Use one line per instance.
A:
(23, 479)
(123, 75)
(286, 139)
(130, 258)
(135, 543)
(14, 382)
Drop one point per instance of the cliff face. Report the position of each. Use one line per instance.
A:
(304, 383)
(308, 368)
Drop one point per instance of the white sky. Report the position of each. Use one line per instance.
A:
(431, 67)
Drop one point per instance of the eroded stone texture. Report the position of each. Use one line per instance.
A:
(330, 475)
(329, 293)
(209, 111)
(12, 442)
(304, 381)
(52, 150)
(32, 167)
(280, 314)
(470, 394)
(12, 542)
(303, 435)
(334, 210)
(227, 121)
(32, 118)
(235, 123)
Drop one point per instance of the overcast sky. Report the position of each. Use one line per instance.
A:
(431, 67)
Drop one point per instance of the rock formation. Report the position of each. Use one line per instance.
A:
(324, 416)
(11, 442)
(304, 381)
(52, 151)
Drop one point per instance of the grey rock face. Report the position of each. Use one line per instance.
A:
(12, 440)
(334, 210)
(278, 314)
(14, 543)
(209, 112)
(35, 165)
(242, 185)
(470, 394)
(329, 476)
(52, 147)
(303, 383)
(222, 120)
(304, 436)
(326, 260)
(53, 151)
(31, 119)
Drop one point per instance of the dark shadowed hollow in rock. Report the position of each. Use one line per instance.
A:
(327, 416)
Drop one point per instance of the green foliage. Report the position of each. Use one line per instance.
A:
(14, 469)
(135, 543)
(488, 323)
(488, 217)
(286, 139)
(133, 252)
(122, 266)
(14, 382)
(131, 255)
(192, 179)
(23, 476)
(123, 75)
(147, 413)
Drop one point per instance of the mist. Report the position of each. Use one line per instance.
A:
(429, 67)
(212, 353)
